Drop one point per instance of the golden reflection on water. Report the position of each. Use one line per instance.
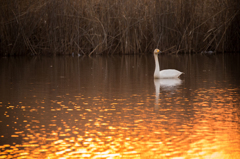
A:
(206, 126)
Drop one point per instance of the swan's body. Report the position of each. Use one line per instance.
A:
(168, 73)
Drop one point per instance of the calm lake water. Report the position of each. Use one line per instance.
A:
(111, 107)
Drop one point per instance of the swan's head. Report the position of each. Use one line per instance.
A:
(156, 51)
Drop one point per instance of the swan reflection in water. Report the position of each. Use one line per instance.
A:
(165, 84)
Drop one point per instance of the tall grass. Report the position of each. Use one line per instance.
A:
(118, 26)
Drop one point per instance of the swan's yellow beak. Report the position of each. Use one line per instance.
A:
(157, 51)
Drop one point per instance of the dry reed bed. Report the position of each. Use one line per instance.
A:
(116, 26)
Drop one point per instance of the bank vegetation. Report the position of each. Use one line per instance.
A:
(118, 26)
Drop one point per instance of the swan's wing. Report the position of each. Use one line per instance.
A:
(170, 73)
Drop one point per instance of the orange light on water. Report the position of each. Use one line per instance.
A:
(103, 128)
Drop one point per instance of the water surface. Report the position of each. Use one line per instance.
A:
(111, 107)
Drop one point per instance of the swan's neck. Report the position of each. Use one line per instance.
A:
(157, 67)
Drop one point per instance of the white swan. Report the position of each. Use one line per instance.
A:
(168, 73)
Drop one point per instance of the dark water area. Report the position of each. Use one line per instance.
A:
(111, 107)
